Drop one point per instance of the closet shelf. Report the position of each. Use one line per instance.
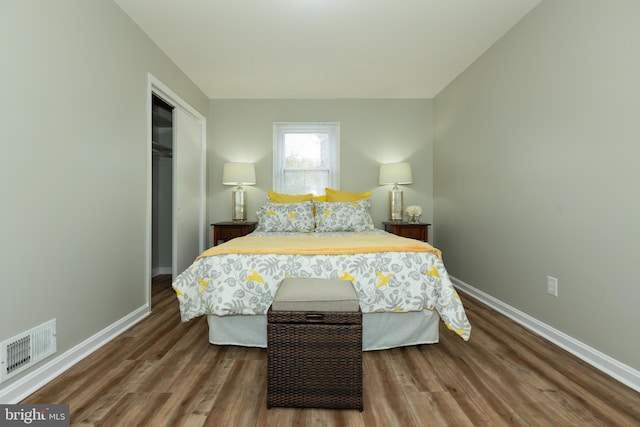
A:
(161, 150)
(161, 117)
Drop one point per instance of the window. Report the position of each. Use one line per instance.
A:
(306, 157)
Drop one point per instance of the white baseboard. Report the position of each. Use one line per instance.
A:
(24, 386)
(618, 370)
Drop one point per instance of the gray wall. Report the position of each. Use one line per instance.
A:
(74, 164)
(372, 132)
(536, 171)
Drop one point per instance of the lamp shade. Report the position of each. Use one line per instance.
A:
(239, 174)
(395, 173)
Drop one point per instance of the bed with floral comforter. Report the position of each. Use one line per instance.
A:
(391, 274)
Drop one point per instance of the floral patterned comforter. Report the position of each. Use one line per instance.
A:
(385, 281)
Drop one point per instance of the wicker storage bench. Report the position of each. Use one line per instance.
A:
(314, 345)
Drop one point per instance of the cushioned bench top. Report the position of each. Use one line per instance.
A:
(303, 294)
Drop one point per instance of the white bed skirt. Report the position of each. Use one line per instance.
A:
(379, 330)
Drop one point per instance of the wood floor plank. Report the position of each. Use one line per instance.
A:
(560, 376)
(411, 370)
(163, 372)
(135, 409)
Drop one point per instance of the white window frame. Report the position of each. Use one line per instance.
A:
(281, 128)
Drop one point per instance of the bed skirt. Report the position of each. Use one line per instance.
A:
(379, 330)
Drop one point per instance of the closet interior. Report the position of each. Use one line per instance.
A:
(162, 186)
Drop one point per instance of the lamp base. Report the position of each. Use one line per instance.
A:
(395, 205)
(239, 204)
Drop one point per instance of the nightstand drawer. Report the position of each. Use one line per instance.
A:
(410, 230)
(224, 231)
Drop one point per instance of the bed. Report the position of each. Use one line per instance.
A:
(402, 284)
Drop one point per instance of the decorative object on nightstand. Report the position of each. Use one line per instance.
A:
(414, 213)
(227, 230)
(419, 231)
(239, 174)
(395, 173)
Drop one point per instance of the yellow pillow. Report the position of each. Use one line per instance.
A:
(288, 198)
(345, 196)
(322, 198)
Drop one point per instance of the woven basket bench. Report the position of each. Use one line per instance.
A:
(314, 345)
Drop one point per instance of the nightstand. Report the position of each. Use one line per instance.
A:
(227, 230)
(414, 231)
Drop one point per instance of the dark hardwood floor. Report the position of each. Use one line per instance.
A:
(165, 373)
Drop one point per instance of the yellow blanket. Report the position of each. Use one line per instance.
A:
(308, 245)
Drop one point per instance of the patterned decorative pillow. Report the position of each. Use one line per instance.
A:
(286, 217)
(343, 216)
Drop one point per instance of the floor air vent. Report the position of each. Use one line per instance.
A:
(27, 349)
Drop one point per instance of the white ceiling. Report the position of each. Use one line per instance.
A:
(324, 48)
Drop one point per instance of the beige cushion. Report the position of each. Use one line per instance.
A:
(302, 294)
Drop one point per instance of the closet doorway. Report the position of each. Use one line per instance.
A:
(176, 213)
(162, 186)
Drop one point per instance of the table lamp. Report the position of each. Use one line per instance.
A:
(395, 173)
(239, 174)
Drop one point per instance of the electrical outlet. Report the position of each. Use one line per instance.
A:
(552, 286)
